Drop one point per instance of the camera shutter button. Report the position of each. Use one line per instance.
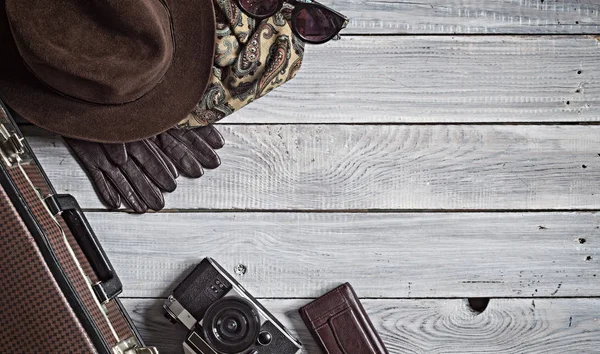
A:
(264, 338)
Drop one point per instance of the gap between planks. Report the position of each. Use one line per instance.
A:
(396, 298)
(348, 211)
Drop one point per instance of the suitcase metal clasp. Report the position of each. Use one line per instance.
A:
(11, 146)
(132, 346)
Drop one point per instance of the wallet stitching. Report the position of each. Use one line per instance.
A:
(323, 345)
(329, 294)
(336, 310)
(337, 338)
(365, 333)
(321, 299)
(373, 342)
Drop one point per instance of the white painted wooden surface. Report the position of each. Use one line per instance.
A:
(378, 167)
(406, 255)
(507, 326)
(439, 79)
(470, 16)
(421, 164)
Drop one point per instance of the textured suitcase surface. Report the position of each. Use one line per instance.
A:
(25, 275)
(49, 291)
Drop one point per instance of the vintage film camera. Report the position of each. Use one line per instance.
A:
(223, 318)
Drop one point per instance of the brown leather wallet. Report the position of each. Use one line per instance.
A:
(340, 325)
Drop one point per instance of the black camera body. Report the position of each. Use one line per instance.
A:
(223, 318)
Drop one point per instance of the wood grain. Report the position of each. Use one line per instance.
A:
(470, 16)
(430, 326)
(358, 167)
(392, 255)
(439, 80)
(402, 262)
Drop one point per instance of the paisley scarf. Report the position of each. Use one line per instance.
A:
(251, 59)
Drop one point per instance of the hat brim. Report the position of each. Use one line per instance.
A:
(163, 107)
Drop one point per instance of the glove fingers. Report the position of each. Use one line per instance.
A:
(131, 197)
(117, 153)
(105, 190)
(202, 151)
(212, 136)
(166, 159)
(150, 194)
(138, 206)
(181, 156)
(111, 184)
(152, 165)
(88, 154)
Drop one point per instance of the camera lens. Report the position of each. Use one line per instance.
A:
(231, 325)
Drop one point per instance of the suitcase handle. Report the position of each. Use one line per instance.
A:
(66, 205)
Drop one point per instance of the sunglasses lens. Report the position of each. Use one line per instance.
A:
(260, 8)
(315, 24)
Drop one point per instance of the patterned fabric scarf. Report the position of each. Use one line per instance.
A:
(251, 59)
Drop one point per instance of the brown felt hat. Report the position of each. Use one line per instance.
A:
(105, 70)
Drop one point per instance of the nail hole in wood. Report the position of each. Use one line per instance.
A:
(240, 269)
(582, 240)
(478, 304)
(588, 258)
(583, 166)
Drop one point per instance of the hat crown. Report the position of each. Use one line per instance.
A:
(101, 51)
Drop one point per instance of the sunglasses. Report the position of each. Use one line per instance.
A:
(311, 21)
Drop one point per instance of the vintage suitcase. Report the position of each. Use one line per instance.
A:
(58, 291)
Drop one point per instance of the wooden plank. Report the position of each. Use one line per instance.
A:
(470, 16)
(384, 255)
(358, 167)
(439, 80)
(429, 326)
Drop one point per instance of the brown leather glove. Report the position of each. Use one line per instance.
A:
(191, 150)
(136, 172)
(141, 171)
